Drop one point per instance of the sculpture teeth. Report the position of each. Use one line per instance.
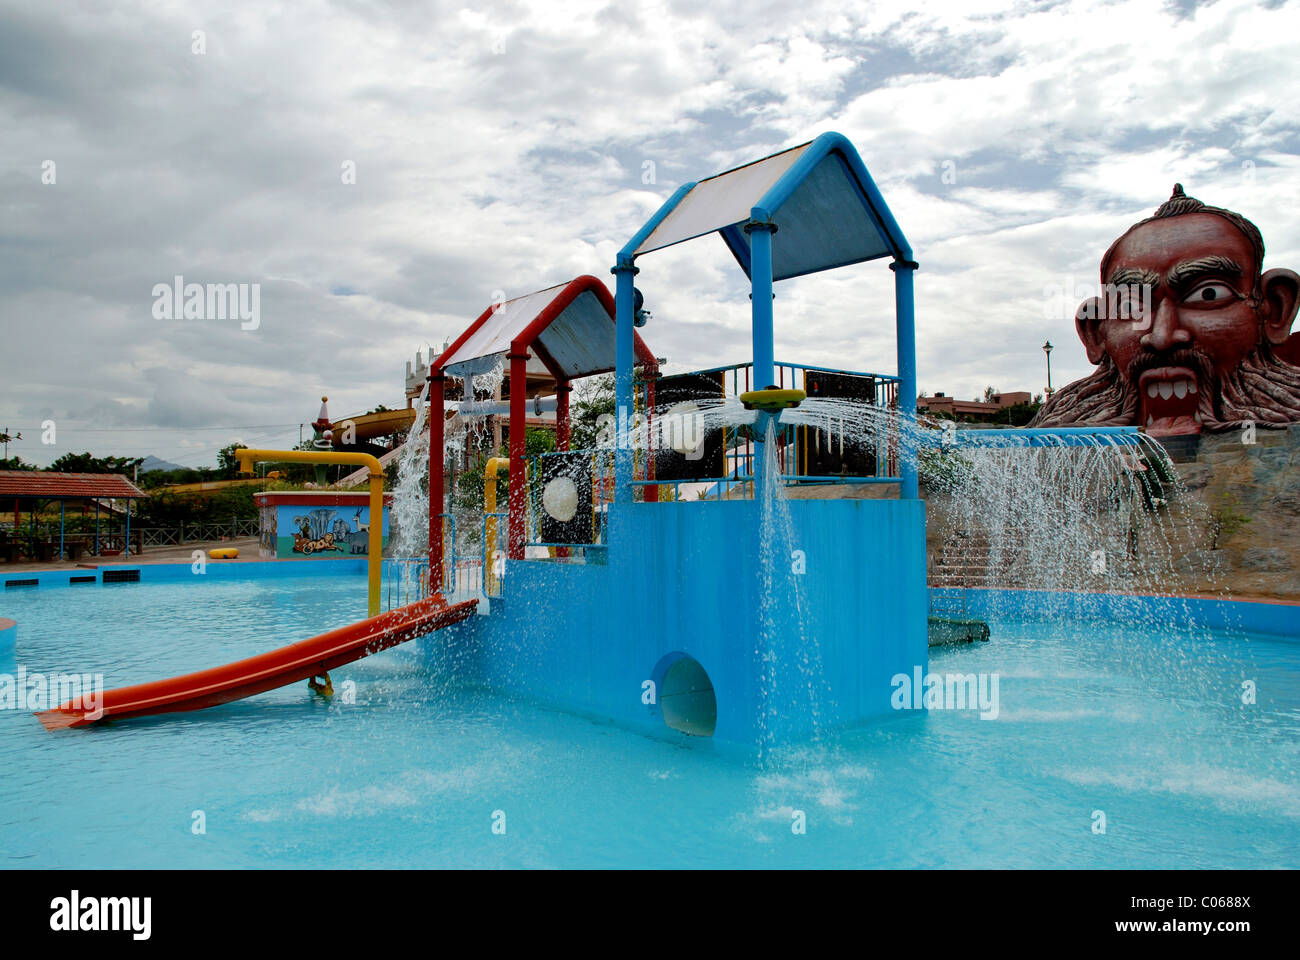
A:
(1151, 390)
(1166, 390)
(1151, 421)
(1180, 389)
(1197, 416)
(1191, 386)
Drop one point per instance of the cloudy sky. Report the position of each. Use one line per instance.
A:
(503, 147)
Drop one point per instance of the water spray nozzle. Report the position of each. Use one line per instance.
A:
(772, 399)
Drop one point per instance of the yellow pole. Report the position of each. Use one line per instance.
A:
(375, 548)
(490, 471)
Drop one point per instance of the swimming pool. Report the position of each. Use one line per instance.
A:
(1149, 730)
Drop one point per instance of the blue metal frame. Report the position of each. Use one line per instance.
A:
(826, 144)
(757, 263)
(905, 324)
(624, 271)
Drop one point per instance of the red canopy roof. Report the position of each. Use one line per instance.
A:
(569, 327)
(41, 485)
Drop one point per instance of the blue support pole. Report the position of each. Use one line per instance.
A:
(905, 321)
(760, 281)
(624, 357)
(63, 505)
(760, 286)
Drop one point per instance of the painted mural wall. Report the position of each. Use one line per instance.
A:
(313, 530)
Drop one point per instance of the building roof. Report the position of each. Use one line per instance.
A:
(43, 485)
(827, 209)
(569, 328)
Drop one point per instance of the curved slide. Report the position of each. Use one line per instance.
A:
(244, 678)
(367, 426)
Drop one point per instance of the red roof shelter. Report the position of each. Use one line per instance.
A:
(569, 328)
(33, 486)
(41, 485)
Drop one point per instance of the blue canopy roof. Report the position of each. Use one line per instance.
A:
(826, 207)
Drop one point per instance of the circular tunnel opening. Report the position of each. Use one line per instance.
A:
(686, 698)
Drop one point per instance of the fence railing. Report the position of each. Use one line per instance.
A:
(740, 452)
(740, 448)
(405, 581)
(198, 532)
(465, 573)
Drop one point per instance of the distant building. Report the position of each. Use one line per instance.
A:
(943, 405)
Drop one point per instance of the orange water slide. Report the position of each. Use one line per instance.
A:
(244, 678)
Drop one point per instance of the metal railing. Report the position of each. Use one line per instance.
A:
(740, 459)
(464, 573)
(483, 571)
(406, 580)
(198, 532)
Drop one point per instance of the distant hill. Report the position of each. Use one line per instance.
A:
(152, 463)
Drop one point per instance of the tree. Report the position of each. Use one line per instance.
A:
(7, 438)
(227, 463)
(1018, 414)
(86, 463)
(593, 398)
(538, 440)
(162, 478)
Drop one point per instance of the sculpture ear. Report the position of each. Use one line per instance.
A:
(1087, 320)
(1281, 289)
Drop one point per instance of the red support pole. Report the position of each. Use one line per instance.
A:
(518, 358)
(562, 391)
(437, 383)
(652, 441)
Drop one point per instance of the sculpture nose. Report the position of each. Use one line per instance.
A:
(1166, 330)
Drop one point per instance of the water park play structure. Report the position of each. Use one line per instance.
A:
(755, 619)
(750, 616)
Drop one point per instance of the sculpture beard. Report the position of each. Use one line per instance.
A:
(1262, 389)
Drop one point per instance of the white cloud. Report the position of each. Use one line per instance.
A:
(501, 147)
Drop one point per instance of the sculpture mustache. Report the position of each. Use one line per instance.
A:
(1191, 357)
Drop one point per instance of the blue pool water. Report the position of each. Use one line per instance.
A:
(1150, 730)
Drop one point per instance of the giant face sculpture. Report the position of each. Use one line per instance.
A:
(1184, 334)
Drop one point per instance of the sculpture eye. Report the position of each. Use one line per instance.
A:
(1213, 293)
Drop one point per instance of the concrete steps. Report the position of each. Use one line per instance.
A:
(964, 561)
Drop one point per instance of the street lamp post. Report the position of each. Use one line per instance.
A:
(1047, 349)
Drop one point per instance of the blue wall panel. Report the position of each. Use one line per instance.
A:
(694, 579)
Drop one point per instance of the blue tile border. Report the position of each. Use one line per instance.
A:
(172, 572)
(1251, 616)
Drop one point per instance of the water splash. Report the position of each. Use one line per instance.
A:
(791, 668)
(410, 509)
